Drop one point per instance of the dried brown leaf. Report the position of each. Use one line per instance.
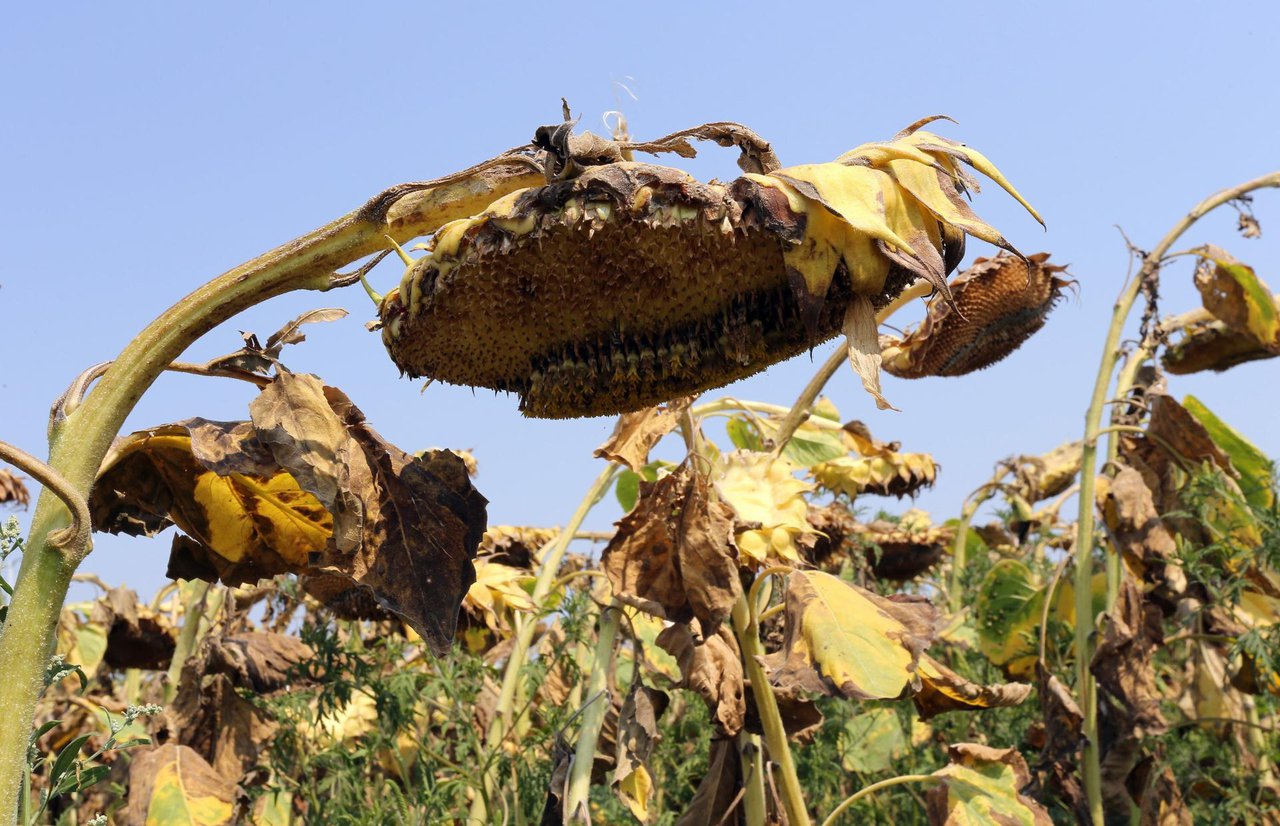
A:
(676, 549)
(717, 801)
(713, 670)
(942, 690)
(637, 736)
(1130, 514)
(636, 433)
(173, 784)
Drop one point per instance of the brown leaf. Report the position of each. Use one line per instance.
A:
(137, 637)
(1122, 663)
(801, 717)
(173, 784)
(1063, 736)
(718, 791)
(344, 598)
(1130, 514)
(1212, 345)
(637, 736)
(1157, 790)
(1180, 435)
(517, 546)
(636, 433)
(12, 491)
(676, 549)
(208, 715)
(713, 670)
(942, 690)
(256, 660)
(553, 813)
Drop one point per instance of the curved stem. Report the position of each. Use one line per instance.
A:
(74, 540)
(79, 441)
(875, 787)
(1085, 686)
(960, 546)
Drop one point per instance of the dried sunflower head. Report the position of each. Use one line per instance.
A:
(631, 283)
(906, 548)
(999, 303)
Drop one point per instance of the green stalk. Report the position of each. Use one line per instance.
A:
(1085, 621)
(188, 636)
(79, 442)
(755, 805)
(578, 788)
(775, 736)
(960, 547)
(502, 719)
(875, 787)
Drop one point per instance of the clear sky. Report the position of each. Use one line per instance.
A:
(145, 148)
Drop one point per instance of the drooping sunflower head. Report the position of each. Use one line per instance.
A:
(631, 283)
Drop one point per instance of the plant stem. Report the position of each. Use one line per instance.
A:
(960, 546)
(78, 443)
(187, 636)
(1085, 621)
(549, 567)
(755, 806)
(875, 787)
(775, 736)
(579, 786)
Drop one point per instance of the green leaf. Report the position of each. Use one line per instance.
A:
(627, 489)
(744, 434)
(874, 739)
(1255, 468)
(66, 759)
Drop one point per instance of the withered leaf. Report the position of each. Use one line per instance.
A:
(801, 717)
(637, 737)
(208, 715)
(1234, 294)
(1212, 345)
(1122, 663)
(1160, 799)
(842, 639)
(12, 490)
(173, 784)
(553, 813)
(981, 785)
(258, 660)
(1173, 428)
(1130, 514)
(256, 358)
(942, 690)
(636, 433)
(718, 790)
(713, 670)
(676, 549)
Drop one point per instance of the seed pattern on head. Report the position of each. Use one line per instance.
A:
(631, 283)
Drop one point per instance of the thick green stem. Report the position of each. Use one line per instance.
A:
(79, 441)
(775, 735)
(550, 566)
(578, 788)
(1086, 689)
(755, 803)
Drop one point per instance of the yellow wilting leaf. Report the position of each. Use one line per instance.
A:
(943, 690)
(846, 640)
(707, 282)
(998, 304)
(497, 593)
(980, 786)
(1236, 296)
(173, 786)
(637, 735)
(764, 492)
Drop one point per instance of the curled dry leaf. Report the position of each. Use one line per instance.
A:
(637, 737)
(209, 716)
(256, 660)
(1213, 345)
(636, 433)
(765, 494)
(999, 303)
(12, 490)
(982, 785)
(1122, 663)
(1130, 515)
(841, 639)
(173, 784)
(259, 358)
(801, 717)
(630, 284)
(906, 548)
(713, 670)
(942, 690)
(307, 486)
(675, 550)
(1179, 434)
(716, 799)
(1234, 294)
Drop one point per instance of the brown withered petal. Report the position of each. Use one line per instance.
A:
(636, 433)
(12, 491)
(1212, 345)
(999, 303)
(676, 549)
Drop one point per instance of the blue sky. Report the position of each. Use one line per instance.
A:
(145, 148)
